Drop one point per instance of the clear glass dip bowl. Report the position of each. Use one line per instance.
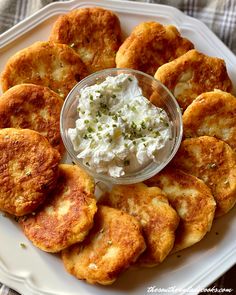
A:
(152, 89)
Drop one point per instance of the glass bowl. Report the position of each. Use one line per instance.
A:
(152, 89)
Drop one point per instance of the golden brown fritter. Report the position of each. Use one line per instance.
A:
(213, 161)
(214, 114)
(112, 245)
(158, 219)
(149, 46)
(94, 33)
(33, 107)
(192, 200)
(192, 74)
(28, 170)
(56, 66)
(67, 216)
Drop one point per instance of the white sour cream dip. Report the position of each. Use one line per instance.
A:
(118, 130)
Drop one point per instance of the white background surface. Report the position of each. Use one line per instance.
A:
(31, 271)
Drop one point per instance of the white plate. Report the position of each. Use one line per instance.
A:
(31, 271)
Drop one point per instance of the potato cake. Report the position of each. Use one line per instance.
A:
(213, 161)
(94, 33)
(33, 107)
(56, 66)
(192, 74)
(158, 219)
(67, 216)
(149, 46)
(214, 114)
(114, 242)
(28, 170)
(192, 200)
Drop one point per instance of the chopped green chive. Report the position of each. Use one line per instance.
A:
(127, 136)
(103, 105)
(166, 124)
(90, 129)
(133, 125)
(115, 117)
(98, 114)
(143, 125)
